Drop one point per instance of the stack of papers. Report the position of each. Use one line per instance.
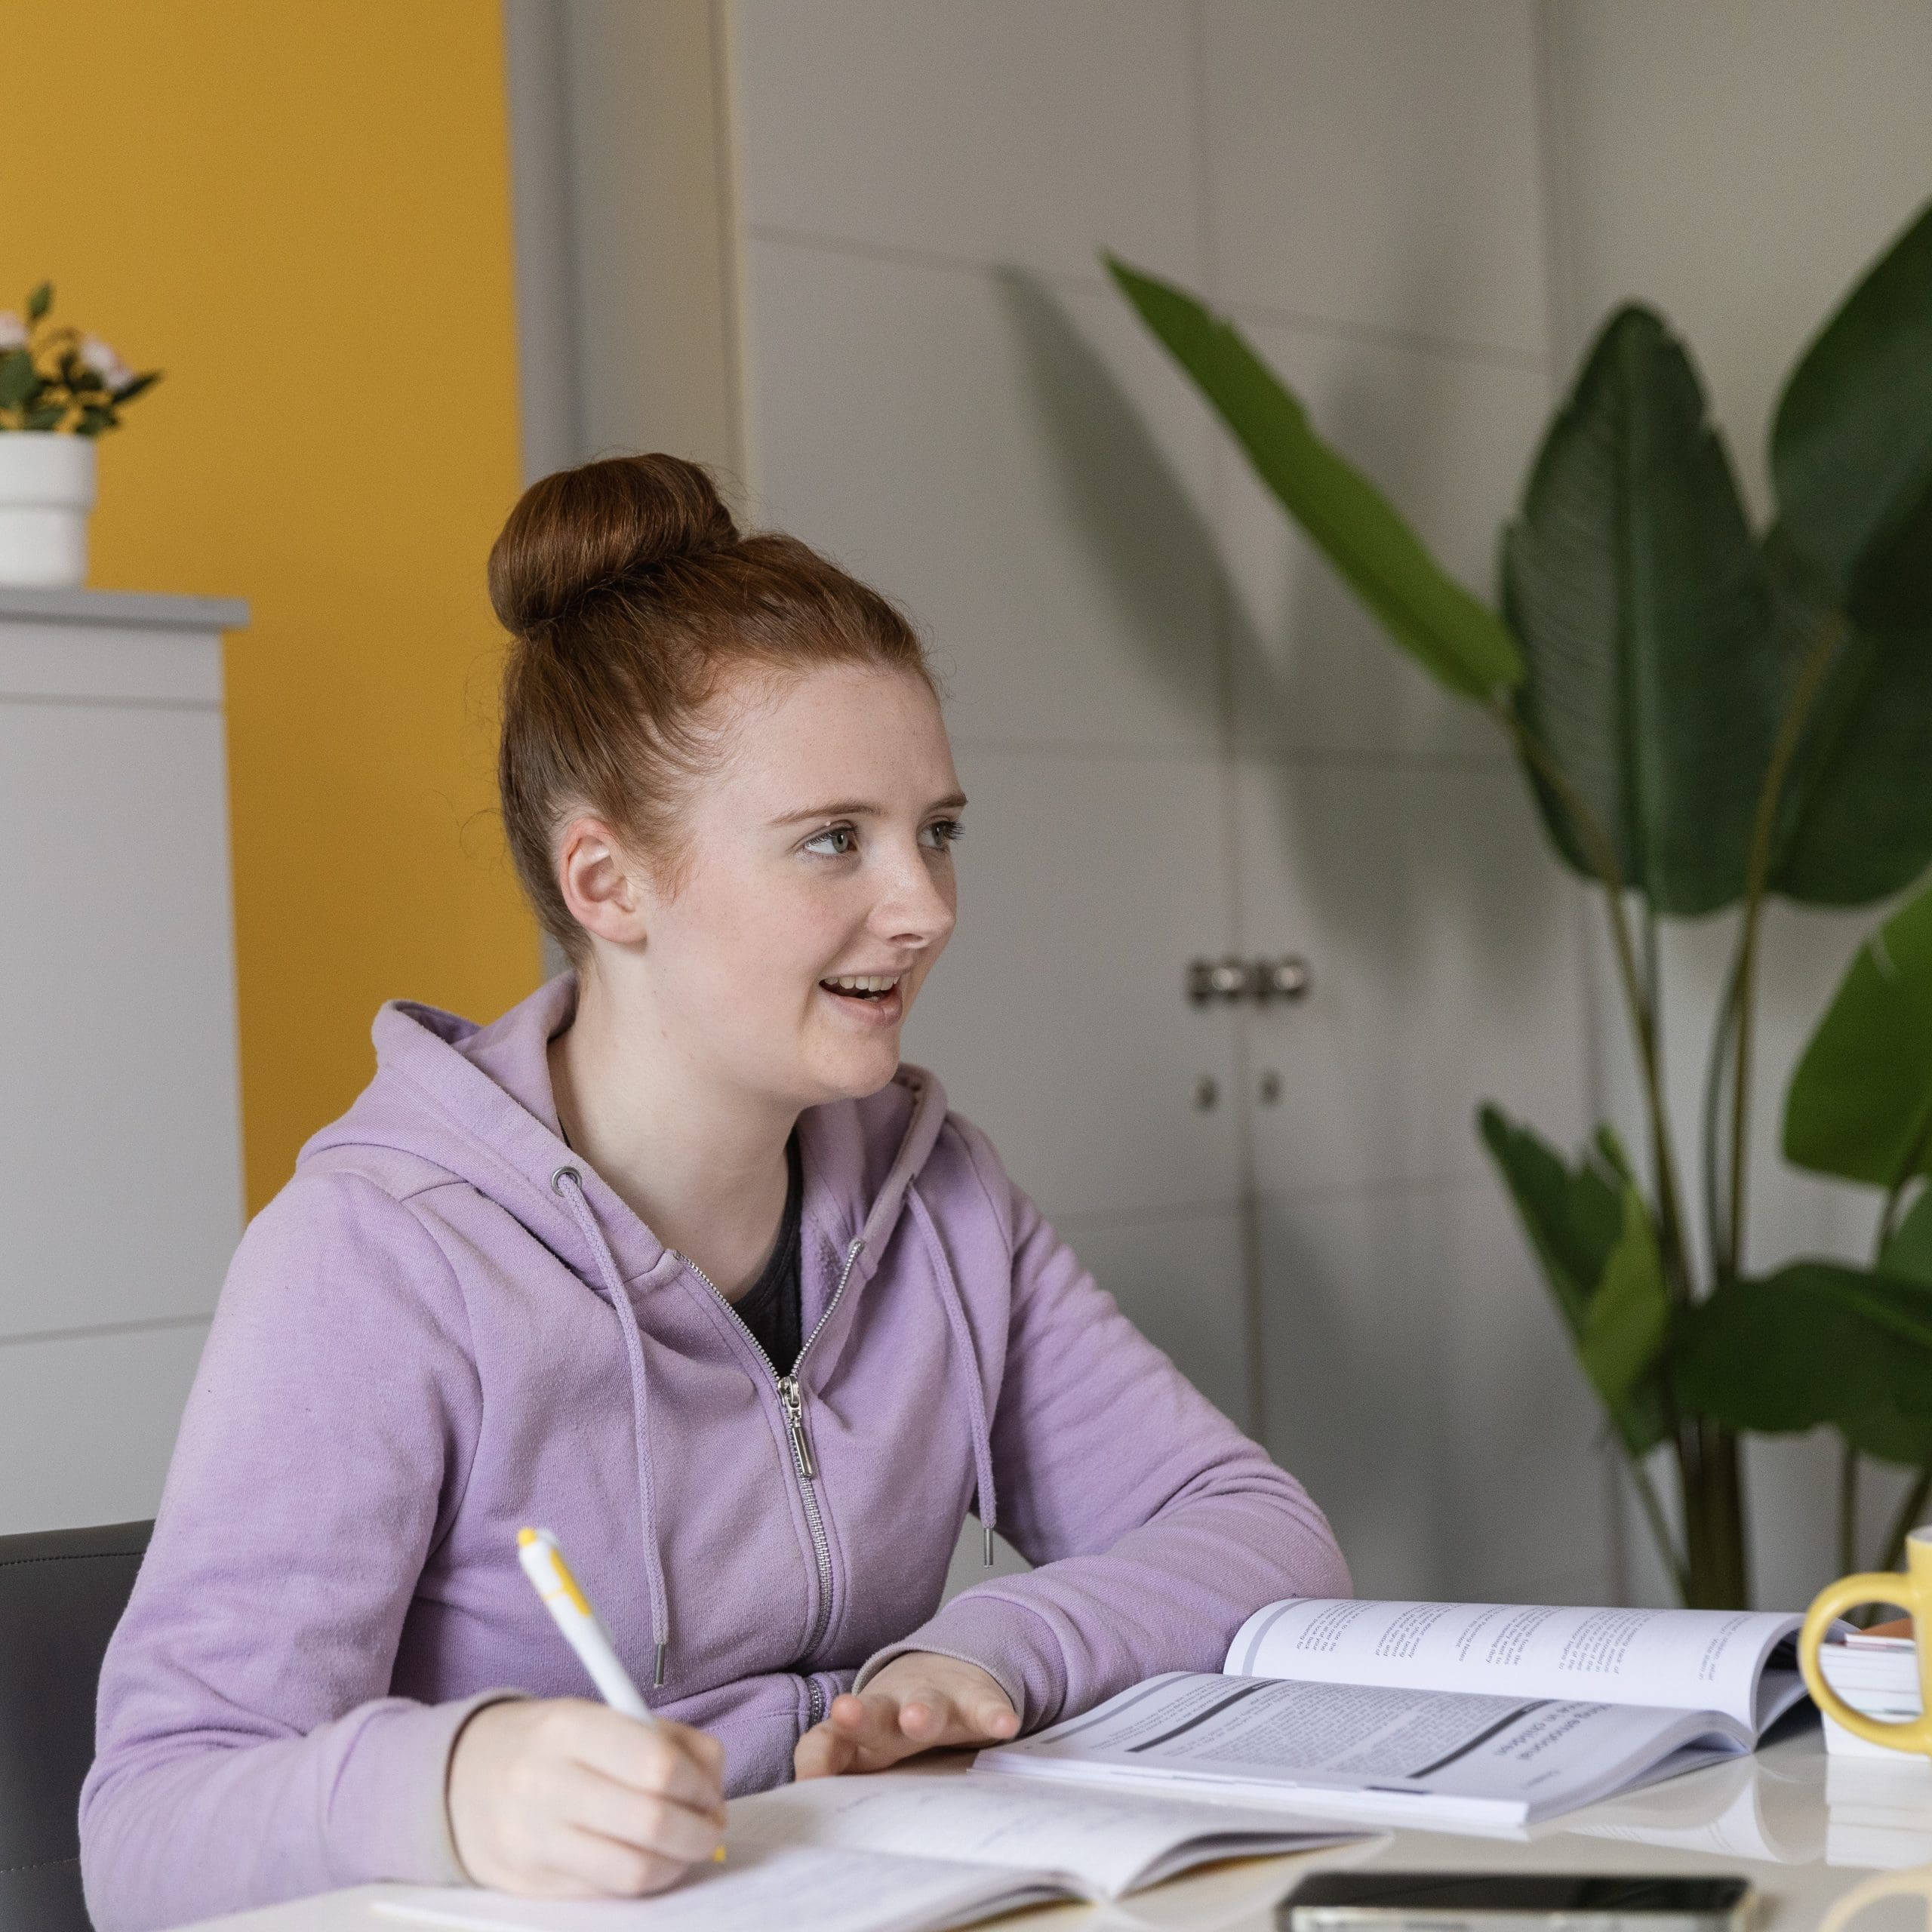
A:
(1880, 1813)
(1877, 1677)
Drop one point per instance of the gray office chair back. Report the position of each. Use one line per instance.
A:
(62, 1591)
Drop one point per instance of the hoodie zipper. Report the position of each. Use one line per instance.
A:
(791, 1401)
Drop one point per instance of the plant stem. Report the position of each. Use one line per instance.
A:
(1723, 1031)
(1713, 1516)
(1694, 1574)
(1888, 1215)
(1818, 660)
(1847, 1508)
(1603, 859)
(1652, 1505)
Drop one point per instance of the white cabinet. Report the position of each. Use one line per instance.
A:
(121, 1194)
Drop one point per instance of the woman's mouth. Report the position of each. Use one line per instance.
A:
(872, 996)
(862, 985)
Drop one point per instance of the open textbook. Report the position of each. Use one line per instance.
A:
(904, 1851)
(1472, 1716)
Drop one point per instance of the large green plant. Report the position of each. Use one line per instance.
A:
(1707, 716)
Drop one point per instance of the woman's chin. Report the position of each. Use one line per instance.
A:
(848, 1069)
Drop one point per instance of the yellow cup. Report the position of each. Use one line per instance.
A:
(1916, 1884)
(1913, 1590)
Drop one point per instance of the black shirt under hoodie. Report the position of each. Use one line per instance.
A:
(772, 1308)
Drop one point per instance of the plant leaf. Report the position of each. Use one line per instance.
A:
(19, 378)
(1855, 823)
(1817, 1343)
(47, 418)
(40, 301)
(1450, 632)
(138, 387)
(1851, 442)
(1908, 1254)
(1591, 1232)
(1628, 1319)
(1859, 1105)
(1644, 611)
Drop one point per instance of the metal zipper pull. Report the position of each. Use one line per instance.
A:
(793, 1405)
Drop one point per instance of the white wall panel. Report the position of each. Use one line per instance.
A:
(88, 1423)
(1446, 953)
(120, 1160)
(1014, 463)
(1738, 163)
(1419, 1384)
(1057, 1020)
(995, 131)
(1449, 440)
(1376, 162)
(1182, 1280)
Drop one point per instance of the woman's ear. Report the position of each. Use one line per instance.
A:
(602, 883)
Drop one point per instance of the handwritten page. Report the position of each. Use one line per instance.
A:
(1099, 1844)
(796, 1887)
(1686, 1659)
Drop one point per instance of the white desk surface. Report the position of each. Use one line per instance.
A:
(1807, 1831)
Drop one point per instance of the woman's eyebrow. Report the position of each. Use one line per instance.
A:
(859, 808)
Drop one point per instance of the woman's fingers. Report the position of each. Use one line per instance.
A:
(562, 1797)
(934, 1718)
(646, 1822)
(880, 1726)
(858, 1734)
(668, 1760)
(994, 1717)
(821, 1753)
(590, 1866)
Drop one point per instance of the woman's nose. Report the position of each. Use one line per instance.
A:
(917, 908)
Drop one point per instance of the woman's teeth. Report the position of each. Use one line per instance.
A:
(867, 985)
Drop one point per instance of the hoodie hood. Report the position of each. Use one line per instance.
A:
(476, 1102)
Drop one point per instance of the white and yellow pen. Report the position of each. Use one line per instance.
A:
(569, 1609)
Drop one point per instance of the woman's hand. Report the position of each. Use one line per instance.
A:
(561, 1798)
(917, 1702)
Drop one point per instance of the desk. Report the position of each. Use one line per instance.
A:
(1807, 1830)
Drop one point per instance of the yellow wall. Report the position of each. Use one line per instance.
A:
(301, 211)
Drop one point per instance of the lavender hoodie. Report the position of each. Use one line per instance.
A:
(446, 1326)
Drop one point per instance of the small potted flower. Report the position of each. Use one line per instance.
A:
(58, 391)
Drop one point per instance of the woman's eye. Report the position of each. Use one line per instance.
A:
(942, 833)
(836, 841)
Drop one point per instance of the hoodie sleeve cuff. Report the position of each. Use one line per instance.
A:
(463, 1713)
(393, 1821)
(1011, 1643)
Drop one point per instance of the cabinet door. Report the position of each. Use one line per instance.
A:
(1417, 1377)
(120, 1167)
(120, 1155)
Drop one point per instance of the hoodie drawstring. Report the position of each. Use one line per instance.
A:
(568, 1183)
(976, 1400)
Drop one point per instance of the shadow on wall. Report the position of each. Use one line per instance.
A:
(1147, 531)
(1421, 876)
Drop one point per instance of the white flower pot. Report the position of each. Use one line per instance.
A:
(47, 488)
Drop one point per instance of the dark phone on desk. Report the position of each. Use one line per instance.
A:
(1513, 1901)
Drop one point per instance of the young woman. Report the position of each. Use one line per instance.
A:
(676, 1259)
